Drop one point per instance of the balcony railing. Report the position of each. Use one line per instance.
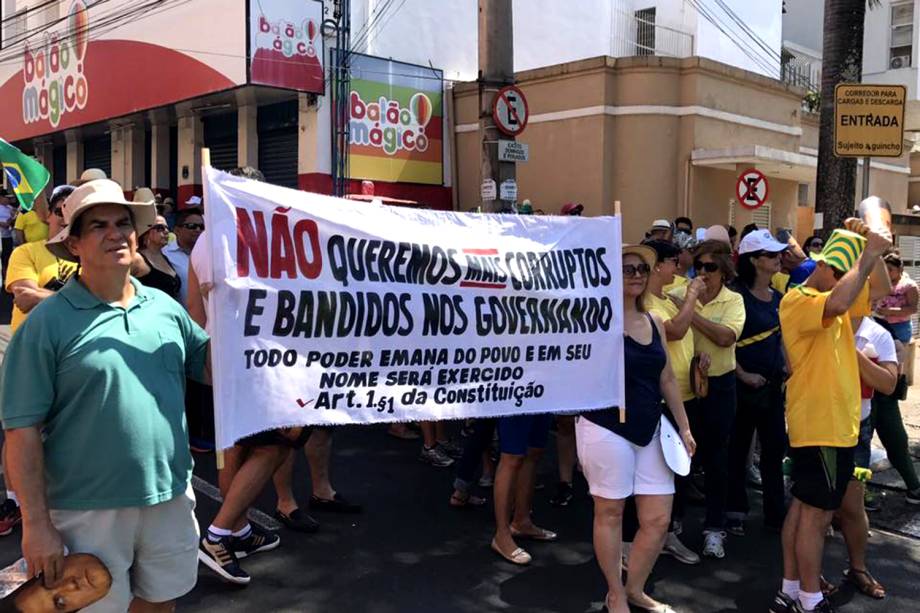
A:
(800, 72)
(638, 36)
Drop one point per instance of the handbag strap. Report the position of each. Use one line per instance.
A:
(757, 337)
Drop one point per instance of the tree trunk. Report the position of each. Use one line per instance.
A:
(842, 63)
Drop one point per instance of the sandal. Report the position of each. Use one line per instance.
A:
(459, 501)
(865, 583)
(518, 556)
(542, 535)
(827, 588)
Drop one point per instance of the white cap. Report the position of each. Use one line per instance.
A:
(661, 224)
(193, 201)
(761, 240)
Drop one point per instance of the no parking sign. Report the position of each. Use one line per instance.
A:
(752, 189)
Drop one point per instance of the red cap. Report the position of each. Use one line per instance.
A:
(571, 208)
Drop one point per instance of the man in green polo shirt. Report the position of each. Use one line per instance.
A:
(92, 403)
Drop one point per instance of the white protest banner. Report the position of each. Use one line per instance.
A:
(332, 311)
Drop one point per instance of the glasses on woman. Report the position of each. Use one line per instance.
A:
(636, 270)
(707, 266)
(160, 227)
(816, 245)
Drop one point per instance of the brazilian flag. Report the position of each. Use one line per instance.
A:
(26, 176)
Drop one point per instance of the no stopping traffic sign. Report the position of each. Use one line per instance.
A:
(509, 110)
(752, 189)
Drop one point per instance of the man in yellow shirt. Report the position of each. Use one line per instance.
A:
(680, 351)
(822, 403)
(30, 228)
(34, 272)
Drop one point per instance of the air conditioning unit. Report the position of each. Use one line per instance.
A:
(900, 61)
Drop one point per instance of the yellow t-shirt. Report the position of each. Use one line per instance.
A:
(34, 262)
(780, 282)
(680, 352)
(726, 309)
(32, 226)
(823, 393)
(679, 281)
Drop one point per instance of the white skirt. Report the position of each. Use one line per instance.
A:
(616, 469)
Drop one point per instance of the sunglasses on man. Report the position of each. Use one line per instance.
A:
(192, 226)
(160, 227)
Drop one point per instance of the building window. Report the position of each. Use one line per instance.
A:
(803, 194)
(645, 32)
(14, 29)
(902, 35)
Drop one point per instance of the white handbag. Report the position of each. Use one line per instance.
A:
(672, 446)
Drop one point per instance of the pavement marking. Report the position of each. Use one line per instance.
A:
(255, 515)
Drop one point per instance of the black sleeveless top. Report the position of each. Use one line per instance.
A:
(162, 281)
(643, 365)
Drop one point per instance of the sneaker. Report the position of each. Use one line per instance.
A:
(824, 606)
(10, 517)
(713, 544)
(220, 558)
(782, 603)
(435, 456)
(486, 481)
(452, 448)
(563, 496)
(753, 477)
(673, 547)
(913, 496)
(735, 527)
(872, 501)
(677, 527)
(257, 541)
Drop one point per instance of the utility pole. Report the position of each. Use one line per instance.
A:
(496, 69)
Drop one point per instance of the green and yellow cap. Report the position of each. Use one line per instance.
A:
(842, 250)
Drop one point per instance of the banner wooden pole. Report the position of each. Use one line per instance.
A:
(616, 213)
(205, 163)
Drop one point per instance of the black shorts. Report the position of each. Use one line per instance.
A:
(820, 475)
(295, 437)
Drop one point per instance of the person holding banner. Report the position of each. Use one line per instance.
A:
(97, 449)
(624, 458)
(717, 322)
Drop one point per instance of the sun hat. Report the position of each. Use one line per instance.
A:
(760, 240)
(841, 250)
(143, 194)
(717, 233)
(648, 255)
(661, 224)
(675, 453)
(88, 195)
(571, 208)
(90, 174)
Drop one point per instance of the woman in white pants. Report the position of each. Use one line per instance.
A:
(624, 458)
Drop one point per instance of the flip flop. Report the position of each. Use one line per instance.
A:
(542, 535)
(518, 557)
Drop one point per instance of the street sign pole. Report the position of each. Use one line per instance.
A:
(865, 177)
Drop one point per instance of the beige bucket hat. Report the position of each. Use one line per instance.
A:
(90, 194)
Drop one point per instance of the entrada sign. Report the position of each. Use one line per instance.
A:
(869, 120)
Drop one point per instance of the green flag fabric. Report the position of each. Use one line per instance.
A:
(26, 176)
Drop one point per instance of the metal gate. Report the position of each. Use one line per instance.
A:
(277, 125)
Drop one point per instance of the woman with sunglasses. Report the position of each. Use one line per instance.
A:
(717, 324)
(813, 244)
(620, 452)
(760, 371)
(151, 267)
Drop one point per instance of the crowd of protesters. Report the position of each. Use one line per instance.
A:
(725, 335)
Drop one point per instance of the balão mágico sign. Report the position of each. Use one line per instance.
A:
(53, 73)
(286, 44)
(396, 121)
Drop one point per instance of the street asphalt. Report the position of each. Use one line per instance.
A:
(411, 552)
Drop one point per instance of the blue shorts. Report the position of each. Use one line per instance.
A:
(517, 433)
(902, 331)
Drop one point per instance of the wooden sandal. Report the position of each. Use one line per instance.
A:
(865, 583)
